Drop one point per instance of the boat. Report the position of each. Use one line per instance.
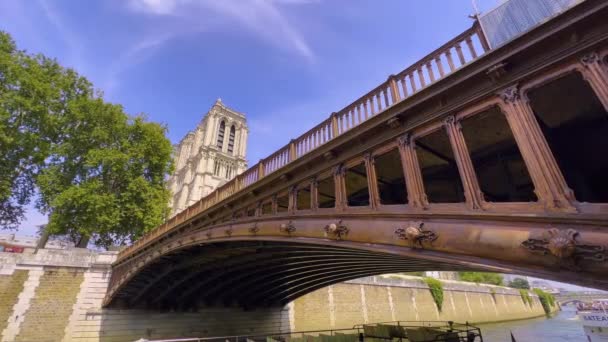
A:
(594, 317)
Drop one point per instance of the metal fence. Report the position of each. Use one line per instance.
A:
(515, 17)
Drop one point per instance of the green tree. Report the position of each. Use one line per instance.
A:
(33, 91)
(546, 299)
(100, 173)
(481, 277)
(519, 283)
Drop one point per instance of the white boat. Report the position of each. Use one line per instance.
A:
(595, 320)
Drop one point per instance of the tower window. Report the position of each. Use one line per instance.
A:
(220, 135)
(216, 168)
(228, 171)
(231, 139)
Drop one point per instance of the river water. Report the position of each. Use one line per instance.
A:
(564, 326)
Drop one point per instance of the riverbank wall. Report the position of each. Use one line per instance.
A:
(56, 295)
(382, 299)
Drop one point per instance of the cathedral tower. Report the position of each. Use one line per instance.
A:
(208, 156)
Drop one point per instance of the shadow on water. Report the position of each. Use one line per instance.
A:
(561, 327)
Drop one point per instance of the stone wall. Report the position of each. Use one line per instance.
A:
(378, 299)
(56, 295)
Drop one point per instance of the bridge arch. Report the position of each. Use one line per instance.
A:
(337, 162)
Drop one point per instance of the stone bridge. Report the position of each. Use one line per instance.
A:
(579, 297)
(473, 158)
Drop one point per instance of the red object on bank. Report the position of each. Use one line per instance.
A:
(11, 249)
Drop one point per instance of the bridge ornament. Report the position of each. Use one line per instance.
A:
(255, 229)
(416, 234)
(209, 234)
(228, 231)
(563, 245)
(337, 229)
(288, 227)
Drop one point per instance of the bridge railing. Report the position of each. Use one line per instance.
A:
(428, 70)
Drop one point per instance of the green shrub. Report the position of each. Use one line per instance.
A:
(519, 283)
(546, 299)
(436, 289)
(525, 297)
(481, 277)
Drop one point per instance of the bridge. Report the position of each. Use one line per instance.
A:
(579, 297)
(477, 157)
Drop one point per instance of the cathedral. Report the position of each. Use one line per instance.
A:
(208, 156)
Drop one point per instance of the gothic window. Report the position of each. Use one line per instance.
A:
(228, 171)
(216, 168)
(220, 135)
(231, 139)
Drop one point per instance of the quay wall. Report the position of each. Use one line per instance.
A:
(382, 299)
(56, 295)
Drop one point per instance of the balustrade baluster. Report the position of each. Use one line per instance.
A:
(359, 113)
(460, 55)
(352, 118)
(367, 106)
(412, 82)
(421, 78)
(429, 68)
(471, 47)
(439, 66)
(404, 87)
(379, 102)
(385, 94)
(448, 55)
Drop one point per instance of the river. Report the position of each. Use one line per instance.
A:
(564, 326)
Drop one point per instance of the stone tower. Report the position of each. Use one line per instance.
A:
(208, 156)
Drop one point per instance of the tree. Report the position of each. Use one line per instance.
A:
(100, 173)
(33, 90)
(519, 283)
(481, 277)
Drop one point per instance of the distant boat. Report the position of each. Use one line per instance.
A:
(595, 320)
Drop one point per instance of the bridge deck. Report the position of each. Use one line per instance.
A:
(486, 164)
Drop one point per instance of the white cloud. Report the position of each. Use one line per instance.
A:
(136, 54)
(71, 40)
(263, 17)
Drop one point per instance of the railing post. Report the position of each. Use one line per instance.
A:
(292, 150)
(261, 169)
(482, 36)
(392, 83)
(334, 124)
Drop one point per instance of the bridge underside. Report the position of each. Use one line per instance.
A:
(255, 273)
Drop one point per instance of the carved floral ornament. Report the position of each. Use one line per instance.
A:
(336, 229)
(255, 229)
(590, 58)
(288, 227)
(415, 234)
(563, 244)
(510, 94)
(405, 140)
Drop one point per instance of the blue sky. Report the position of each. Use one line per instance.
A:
(287, 64)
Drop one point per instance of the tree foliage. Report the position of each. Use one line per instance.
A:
(546, 299)
(525, 296)
(436, 288)
(99, 172)
(481, 277)
(519, 283)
